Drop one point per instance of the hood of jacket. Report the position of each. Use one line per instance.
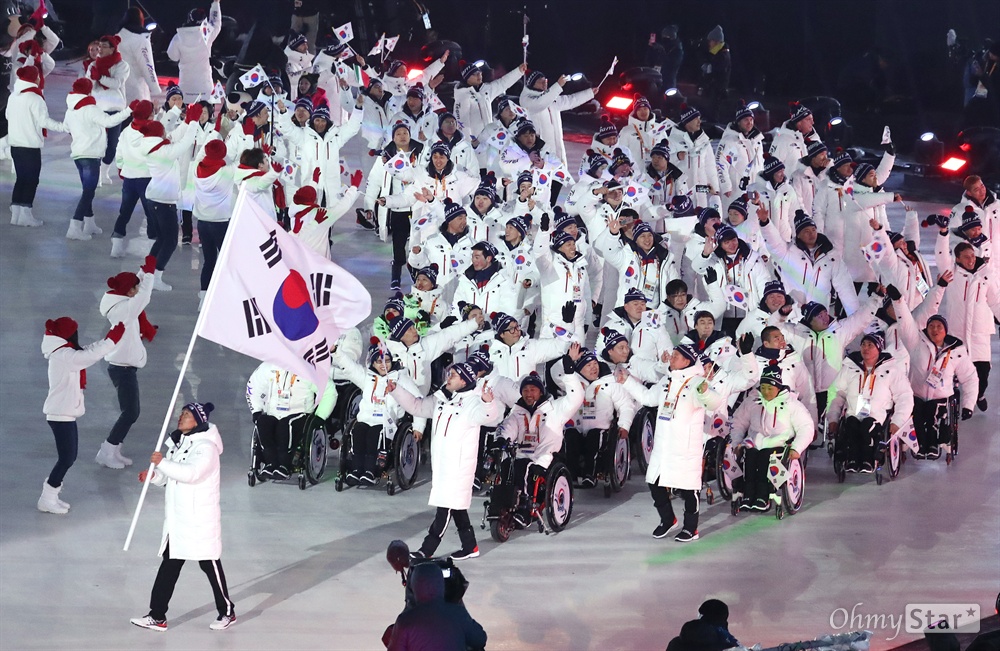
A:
(21, 85)
(427, 582)
(823, 245)
(73, 99)
(855, 357)
(189, 36)
(210, 434)
(52, 343)
(109, 300)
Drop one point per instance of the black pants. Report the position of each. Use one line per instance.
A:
(28, 167)
(165, 215)
(582, 449)
(399, 225)
(983, 370)
(187, 227)
(166, 579)
(441, 519)
(280, 437)
(930, 422)
(212, 235)
(661, 501)
(364, 441)
(822, 397)
(113, 135)
(127, 384)
(67, 441)
(858, 437)
(756, 485)
(133, 192)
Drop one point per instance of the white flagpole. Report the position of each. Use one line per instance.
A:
(222, 260)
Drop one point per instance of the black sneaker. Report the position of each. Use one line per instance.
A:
(368, 478)
(521, 520)
(745, 504)
(981, 404)
(934, 452)
(867, 468)
(352, 479)
(686, 536)
(186, 241)
(363, 221)
(759, 504)
(851, 466)
(280, 472)
(394, 286)
(920, 454)
(662, 530)
(587, 482)
(463, 554)
(417, 555)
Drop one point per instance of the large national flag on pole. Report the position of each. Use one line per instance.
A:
(274, 299)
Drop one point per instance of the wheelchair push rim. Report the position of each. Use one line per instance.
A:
(794, 488)
(559, 497)
(620, 464)
(315, 464)
(407, 460)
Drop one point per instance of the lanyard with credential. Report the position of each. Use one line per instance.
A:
(871, 383)
(677, 398)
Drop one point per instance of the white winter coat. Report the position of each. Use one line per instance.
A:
(323, 152)
(137, 52)
(970, 302)
(64, 401)
(678, 323)
(781, 202)
(214, 195)
(740, 160)
(773, 423)
(545, 111)
(646, 338)
(129, 156)
(416, 359)
(562, 281)
(912, 278)
(602, 398)
(806, 182)
(874, 390)
(19, 60)
(450, 258)
(496, 295)
(789, 146)
(297, 64)
(380, 182)
(647, 273)
(280, 393)
(164, 165)
(895, 342)
(27, 115)
(867, 204)
(750, 273)
(454, 441)
(192, 53)
(517, 361)
(676, 459)
(109, 91)
(794, 374)
(123, 309)
(312, 224)
(541, 428)
(463, 156)
(640, 136)
(474, 106)
(698, 164)
(193, 519)
(87, 126)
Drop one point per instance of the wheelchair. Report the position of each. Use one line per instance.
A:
(345, 411)
(946, 419)
(888, 454)
(787, 496)
(550, 502)
(398, 458)
(613, 463)
(308, 460)
(641, 436)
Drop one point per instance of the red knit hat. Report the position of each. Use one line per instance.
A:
(152, 129)
(28, 73)
(141, 109)
(83, 86)
(215, 149)
(122, 283)
(63, 327)
(114, 39)
(305, 196)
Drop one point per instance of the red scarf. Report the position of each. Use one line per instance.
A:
(103, 65)
(37, 91)
(83, 371)
(86, 101)
(160, 144)
(209, 166)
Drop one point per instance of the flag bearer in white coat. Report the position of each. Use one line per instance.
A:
(192, 529)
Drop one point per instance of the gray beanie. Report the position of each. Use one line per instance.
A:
(716, 34)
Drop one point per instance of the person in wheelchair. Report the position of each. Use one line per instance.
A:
(377, 412)
(537, 420)
(937, 361)
(867, 387)
(514, 354)
(774, 350)
(602, 399)
(763, 426)
(682, 397)
(618, 353)
(640, 325)
(280, 402)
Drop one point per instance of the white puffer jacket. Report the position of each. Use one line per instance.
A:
(863, 392)
(280, 393)
(517, 361)
(971, 302)
(189, 161)
(495, 296)
(193, 518)
(678, 323)
(416, 359)
(676, 459)
(454, 440)
(740, 160)
(123, 309)
(541, 427)
(773, 423)
(297, 64)
(109, 91)
(794, 374)
(27, 116)
(137, 52)
(639, 137)
(895, 343)
(214, 195)
(602, 399)
(562, 281)
(312, 224)
(129, 156)
(608, 152)
(647, 273)
(323, 152)
(87, 126)
(912, 277)
(545, 111)
(377, 407)
(807, 182)
(474, 106)
(64, 403)
(646, 338)
(462, 154)
(163, 158)
(781, 202)
(19, 60)
(864, 203)
(698, 164)
(450, 258)
(192, 52)
(789, 146)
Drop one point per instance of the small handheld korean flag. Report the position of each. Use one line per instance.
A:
(344, 33)
(206, 30)
(633, 192)
(500, 140)
(908, 436)
(390, 44)
(218, 92)
(398, 164)
(378, 46)
(735, 296)
(289, 170)
(518, 110)
(730, 467)
(611, 70)
(777, 473)
(886, 136)
(435, 103)
(874, 252)
(253, 77)
(541, 178)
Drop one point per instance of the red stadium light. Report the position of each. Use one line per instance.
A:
(619, 103)
(953, 164)
(413, 74)
(965, 146)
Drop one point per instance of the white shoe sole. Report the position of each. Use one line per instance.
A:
(158, 629)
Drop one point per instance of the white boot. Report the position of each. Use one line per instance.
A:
(105, 175)
(15, 214)
(75, 231)
(201, 298)
(121, 457)
(158, 283)
(106, 457)
(90, 226)
(28, 219)
(117, 247)
(49, 501)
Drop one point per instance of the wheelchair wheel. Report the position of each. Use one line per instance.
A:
(254, 459)
(893, 456)
(252, 478)
(620, 462)
(642, 435)
(406, 456)
(558, 496)
(315, 458)
(346, 451)
(794, 488)
(501, 528)
(725, 461)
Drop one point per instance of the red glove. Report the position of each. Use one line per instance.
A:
(193, 113)
(149, 266)
(146, 329)
(276, 167)
(94, 74)
(116, 333)
(372, 152)
(248, 127)
(356, 179)
(266, 148)
(316, 175)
